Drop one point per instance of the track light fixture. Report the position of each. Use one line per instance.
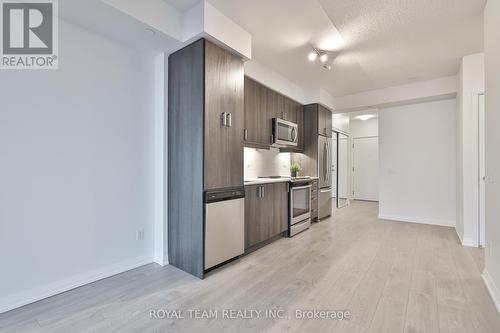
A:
(324, 57)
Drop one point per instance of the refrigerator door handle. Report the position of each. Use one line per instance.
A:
(325, 161)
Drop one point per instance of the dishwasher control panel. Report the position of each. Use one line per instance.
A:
(227, 194)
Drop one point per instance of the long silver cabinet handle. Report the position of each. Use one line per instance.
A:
(229, 121)
(224, 118)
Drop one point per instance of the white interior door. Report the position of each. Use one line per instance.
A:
(482, 174)
(365, 163)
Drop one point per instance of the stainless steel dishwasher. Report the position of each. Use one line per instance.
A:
(224, 226)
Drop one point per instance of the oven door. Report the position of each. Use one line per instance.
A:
(285, 133)
(300, 203)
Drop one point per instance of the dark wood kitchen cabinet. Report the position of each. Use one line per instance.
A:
(223, 93)
(258, 214)
(279, 223)
(266, 212)
(324, 121)
(261, 106)
(258, 115)
(276, 102)
(314, 200)
(317, 121)
(205, 142)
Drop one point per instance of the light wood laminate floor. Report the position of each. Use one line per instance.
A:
(392, 277)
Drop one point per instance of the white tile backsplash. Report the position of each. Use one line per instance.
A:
(262, 162)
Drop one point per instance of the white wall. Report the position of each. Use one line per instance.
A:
(492, 66)
(226, 31)
(262, 163)
(418, 162)
(77, 168)
(364, 128)
(412, 93)
(273, 80)
(471, 82)
(320, 96)
(157, 14)
(340, 122)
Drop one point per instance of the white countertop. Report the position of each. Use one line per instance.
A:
(259, 181)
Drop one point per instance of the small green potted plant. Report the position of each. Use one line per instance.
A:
(295, 168)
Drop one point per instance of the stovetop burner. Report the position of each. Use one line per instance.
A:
(274, 177)
(277, 177)
(299, 179)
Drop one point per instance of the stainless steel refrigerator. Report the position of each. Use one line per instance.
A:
(325, 176)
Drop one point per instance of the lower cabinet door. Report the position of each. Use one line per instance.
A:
(279, 222)
(257, 211)
(266, 212)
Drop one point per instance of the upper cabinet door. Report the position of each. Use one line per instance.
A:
(295, 114)
(277, 104)
(258, 125)
(324, 121)
(290, 110)
(299, 119)
(224, 118)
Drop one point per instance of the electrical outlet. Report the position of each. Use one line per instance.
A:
(139, 235)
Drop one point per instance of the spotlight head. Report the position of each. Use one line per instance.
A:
(312, 56)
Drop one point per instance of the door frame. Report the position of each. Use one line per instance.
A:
(349, 168)
(479, 211)
(335, 136)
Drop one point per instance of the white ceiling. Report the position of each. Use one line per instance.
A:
(382, 43)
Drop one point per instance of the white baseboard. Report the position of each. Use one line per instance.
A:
(492, 288)
(466, 241)
(162, 261)
(420, 220)
(41, 292)
(469, 243)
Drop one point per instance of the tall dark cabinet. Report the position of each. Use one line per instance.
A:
(317, 122)
(205, 142)
(224, 75)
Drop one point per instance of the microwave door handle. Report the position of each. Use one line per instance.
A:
(293, 134)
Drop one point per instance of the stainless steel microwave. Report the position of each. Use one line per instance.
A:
(285, 133)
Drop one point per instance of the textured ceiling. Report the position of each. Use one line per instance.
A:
(382, 43)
